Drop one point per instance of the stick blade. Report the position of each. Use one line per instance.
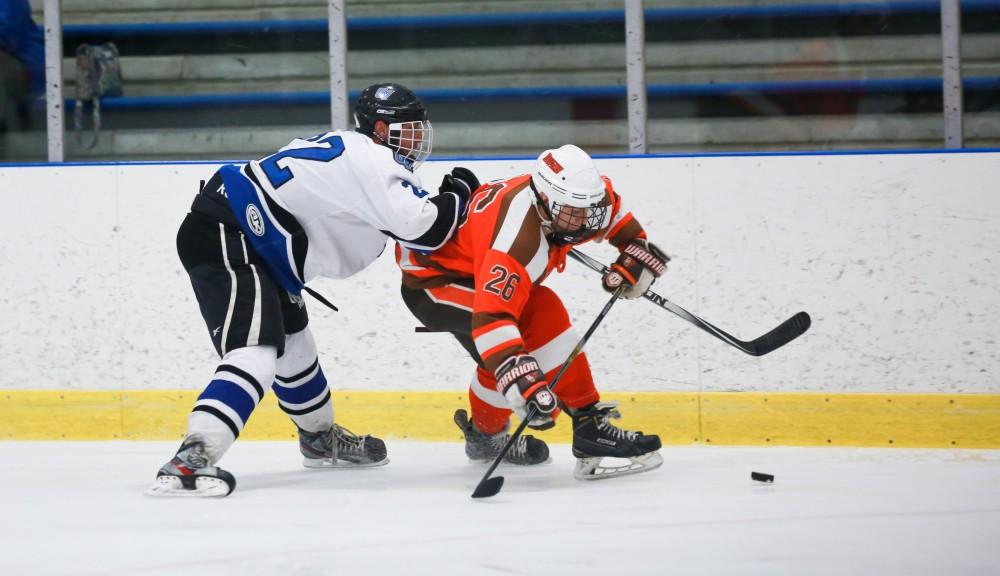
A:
(488, 487)
(786, 332)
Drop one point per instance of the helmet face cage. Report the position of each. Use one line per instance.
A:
(411, 141)
(574, 224)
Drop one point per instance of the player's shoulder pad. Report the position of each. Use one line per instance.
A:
(372, 161)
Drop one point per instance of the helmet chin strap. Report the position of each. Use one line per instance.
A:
(377, 137)
(542, 207)
(548, 225)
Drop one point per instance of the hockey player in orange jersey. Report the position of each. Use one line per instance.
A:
(485, 287)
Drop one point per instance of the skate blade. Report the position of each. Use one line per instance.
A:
(205, 487)
(486, 461)
(592, 469)
(330, 464)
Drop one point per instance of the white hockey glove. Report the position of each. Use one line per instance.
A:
(639, 264)
(523, 384)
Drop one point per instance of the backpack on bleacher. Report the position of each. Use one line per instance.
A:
(98, 74)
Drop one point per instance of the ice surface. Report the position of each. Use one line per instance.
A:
(77, 508)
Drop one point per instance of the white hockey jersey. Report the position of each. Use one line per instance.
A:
(326, 206)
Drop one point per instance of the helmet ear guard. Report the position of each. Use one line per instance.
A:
(569, 187)
(408, 132)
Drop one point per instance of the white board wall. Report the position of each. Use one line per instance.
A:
(893, 255)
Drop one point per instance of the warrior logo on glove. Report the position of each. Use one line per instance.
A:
(545, 398)
(639, 264)
(526, 370)
(613, 280)
(647, 259)
(523, 384)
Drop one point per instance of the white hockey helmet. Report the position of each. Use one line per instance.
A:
(573, 194)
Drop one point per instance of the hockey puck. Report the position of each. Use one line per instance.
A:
(761, 477)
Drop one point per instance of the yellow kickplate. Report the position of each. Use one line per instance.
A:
(747, 418)
(905, 420)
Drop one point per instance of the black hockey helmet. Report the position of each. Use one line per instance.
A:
(409, 133)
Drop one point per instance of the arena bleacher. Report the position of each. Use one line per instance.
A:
(216, 79)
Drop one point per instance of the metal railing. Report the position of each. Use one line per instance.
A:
(636, 92)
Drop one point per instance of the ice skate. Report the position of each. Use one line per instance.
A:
(189, 474)
(595, 438)
(338, 447)
(479, 447)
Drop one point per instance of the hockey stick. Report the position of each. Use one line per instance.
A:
(785, 332)
(319, 297)
(491, 486)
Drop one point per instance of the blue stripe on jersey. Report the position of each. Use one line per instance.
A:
(309, 390)
(232, 395)
(268, 239)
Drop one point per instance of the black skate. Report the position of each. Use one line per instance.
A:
(188, 474)
(596, 438)
(479, 447)
(338, 447)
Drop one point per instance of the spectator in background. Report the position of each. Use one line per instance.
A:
(23, 39)
(11, 92)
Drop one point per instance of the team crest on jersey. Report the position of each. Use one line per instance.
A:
(254, 220)
(384, 92)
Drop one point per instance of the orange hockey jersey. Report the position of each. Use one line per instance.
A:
(502, 249)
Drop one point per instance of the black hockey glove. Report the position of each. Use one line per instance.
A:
(461, 182)
(639, 264)
(523, 384)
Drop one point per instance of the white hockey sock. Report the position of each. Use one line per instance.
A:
(301, 386)
(223, 408)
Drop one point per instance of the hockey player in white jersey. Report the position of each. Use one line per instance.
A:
(257, 233)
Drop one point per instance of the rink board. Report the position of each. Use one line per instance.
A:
(720, 418)
(892, 255)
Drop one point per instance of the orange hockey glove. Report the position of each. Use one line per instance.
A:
(639, 264)
(523, 384)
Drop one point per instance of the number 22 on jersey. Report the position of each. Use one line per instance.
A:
(323, 150)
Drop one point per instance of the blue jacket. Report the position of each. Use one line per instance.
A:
(23, 39)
